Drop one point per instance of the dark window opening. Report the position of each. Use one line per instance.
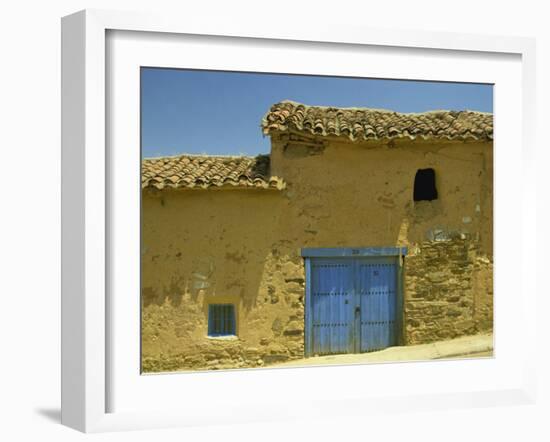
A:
(221, 320)
(424, 185)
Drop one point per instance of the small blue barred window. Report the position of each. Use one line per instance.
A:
(221, 320)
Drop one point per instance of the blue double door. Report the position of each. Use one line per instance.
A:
(352, 305)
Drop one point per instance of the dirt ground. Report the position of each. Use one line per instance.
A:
(467, 347)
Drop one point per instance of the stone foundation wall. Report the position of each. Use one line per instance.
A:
(483, 294)
(448, 290)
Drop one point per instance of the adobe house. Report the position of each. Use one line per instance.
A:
(362, 229)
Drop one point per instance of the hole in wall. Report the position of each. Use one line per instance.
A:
(424, 185)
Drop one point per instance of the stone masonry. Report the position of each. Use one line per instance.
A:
(443, 297)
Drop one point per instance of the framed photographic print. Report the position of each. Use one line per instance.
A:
(300, 251)
(260, 223)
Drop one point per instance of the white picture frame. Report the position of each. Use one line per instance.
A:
(86, 213)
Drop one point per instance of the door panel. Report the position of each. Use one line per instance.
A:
(376, 287)
(332, 306)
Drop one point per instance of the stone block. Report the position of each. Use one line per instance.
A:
(293, 332)
(294, 288)
(276, 348)
(292, 271)
(277, 326)
(273, 358)
(437, 277)
(251, 352)
(454, 312)
(294, 326)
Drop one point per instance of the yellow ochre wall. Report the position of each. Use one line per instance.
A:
(243, 246)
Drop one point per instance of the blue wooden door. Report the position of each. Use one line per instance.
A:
(352, 306)
(376, 289)
(332, 306)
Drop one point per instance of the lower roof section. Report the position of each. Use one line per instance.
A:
(204, 171)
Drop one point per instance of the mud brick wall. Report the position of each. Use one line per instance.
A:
(264, 281)
(448, 290)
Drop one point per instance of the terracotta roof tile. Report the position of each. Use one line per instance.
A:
(360, 124)
(193, 171)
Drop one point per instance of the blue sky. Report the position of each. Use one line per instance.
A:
(219, 113)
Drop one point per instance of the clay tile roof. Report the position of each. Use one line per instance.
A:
(194, 171)
(360, 124)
